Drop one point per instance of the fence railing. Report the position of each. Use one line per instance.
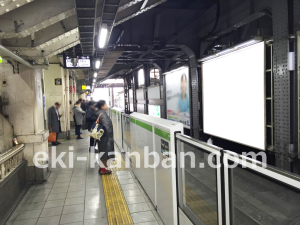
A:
(10, 160)
(227, 188)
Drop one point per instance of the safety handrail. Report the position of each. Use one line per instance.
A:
(10, 160)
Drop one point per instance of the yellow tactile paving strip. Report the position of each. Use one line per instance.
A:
(200, 208)
(116, 206)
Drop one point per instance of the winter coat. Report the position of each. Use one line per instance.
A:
(78, 113)
(90, 117)
(107, 141)
(53, 120)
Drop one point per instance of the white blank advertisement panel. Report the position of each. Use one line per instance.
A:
(234, 96)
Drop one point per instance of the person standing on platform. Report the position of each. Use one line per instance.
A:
(54, 121)
(106, 145)
(84, 105)
(91, 119)
(78, 113)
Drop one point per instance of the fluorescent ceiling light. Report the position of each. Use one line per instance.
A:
(102, 35)
(95, 74)
(97, 64)
(113, 81)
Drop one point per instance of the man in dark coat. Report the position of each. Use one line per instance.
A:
(54, 121)
(83, 105)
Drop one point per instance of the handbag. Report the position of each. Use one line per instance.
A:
(97, 130)
(52, 136)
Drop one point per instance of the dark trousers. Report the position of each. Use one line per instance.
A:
(92, 141)
(57, 136)
(78, 127)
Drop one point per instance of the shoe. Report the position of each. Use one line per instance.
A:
(58, 143)
(54, 144)
(79, 138)
(103, 171)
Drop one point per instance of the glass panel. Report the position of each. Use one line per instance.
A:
(257, 199)
(198, 187)
(126, 131)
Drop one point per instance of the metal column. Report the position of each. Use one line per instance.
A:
(282, 84)
(67, 79)
(134, 87)
(195, 127)
(147, 84)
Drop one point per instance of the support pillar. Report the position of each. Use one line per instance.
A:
(26, 114)
(283, 82)
(67, 90)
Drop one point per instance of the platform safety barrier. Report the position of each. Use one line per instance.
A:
(10, 160)
(243, 193)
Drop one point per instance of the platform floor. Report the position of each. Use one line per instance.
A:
(80, 196)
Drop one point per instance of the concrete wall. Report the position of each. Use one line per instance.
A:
(25, 111)
(25, 97)
(6, 135)
(56, 93)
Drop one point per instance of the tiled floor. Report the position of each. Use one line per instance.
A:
(140, 206)
(75, 196)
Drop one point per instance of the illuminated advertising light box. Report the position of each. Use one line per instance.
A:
(234, 96)
(178, 96)
(154, 110)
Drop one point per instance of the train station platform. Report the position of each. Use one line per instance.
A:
(79, 195)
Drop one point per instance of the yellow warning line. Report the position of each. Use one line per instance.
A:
(116, 206)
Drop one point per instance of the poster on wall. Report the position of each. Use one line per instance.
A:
(154, 110)
(178, 99)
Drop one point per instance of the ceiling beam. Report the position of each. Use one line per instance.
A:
(44, 35)
(129, 4)
(124, 19)
(51, 47)
(46, 13)
(8, 5)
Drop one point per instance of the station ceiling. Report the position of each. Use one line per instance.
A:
(139, 31)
